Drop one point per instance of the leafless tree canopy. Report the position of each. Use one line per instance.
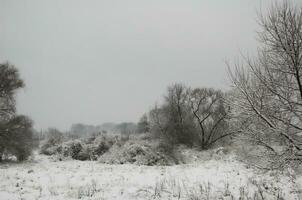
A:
(208, 109)
(268, 87)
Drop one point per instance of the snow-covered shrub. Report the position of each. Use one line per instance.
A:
(53, 142)
(81, 149)
(101, 148)
(70, 149)
(140, 152)
(115, 149)
(50, 149)
(75, 149)
(102, 144)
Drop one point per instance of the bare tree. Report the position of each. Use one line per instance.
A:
(210, 114)
(173, 120)
(180, 121)
(269, 89)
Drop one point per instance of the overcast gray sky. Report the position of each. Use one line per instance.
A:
(95, 61)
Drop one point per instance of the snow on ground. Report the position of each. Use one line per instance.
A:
(43, 178)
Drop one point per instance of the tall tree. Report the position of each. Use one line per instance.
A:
(180, 122)
(15, 131)
(268, 87)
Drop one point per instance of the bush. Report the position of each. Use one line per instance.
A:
(79, 149)
(19, 143)
(140, 152)
(103, 144)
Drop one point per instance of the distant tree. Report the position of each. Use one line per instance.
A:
(15, 131)
(126, 128)
(20, 140)
(143, 124)
(54, 137)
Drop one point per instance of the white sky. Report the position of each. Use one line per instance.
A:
(95, 61)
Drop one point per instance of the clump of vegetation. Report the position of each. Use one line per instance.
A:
(138, 151)
(102, 144)
(111, 149)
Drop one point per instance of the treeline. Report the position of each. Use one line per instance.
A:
(80, 130)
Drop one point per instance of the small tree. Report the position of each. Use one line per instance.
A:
(127, 128)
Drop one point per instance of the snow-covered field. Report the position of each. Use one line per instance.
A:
(220, 178)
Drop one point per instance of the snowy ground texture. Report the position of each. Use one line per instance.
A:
(217, 178)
